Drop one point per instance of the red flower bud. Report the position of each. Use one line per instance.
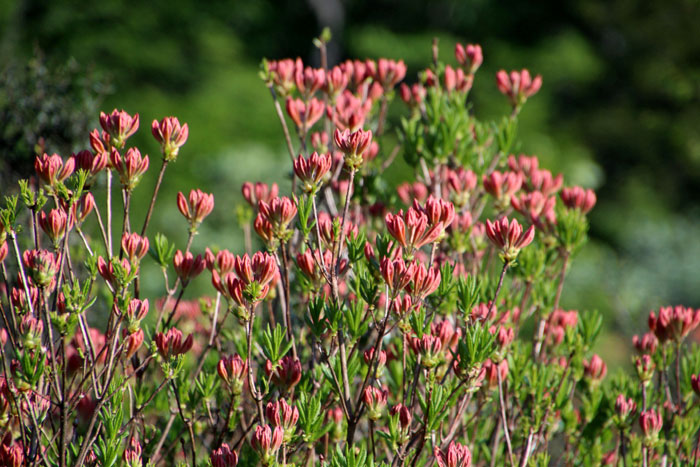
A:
(134, 246)
(267, 442)
(578, 198)
(232, 371)
(429, 348)
(456, 455)
(170, 344)
(405, 416)
(82, 208)
(52, 169)
(423, 281)
(130, 167)
(119, 125)
(695, 383)
(196, 207)
(55, 224)
(595, 369)
(224, 457)
(279, 213)
(42, 267)
(651, 422)
(312, 170)
(469, 56)
(132, 342)
(673, 323)
(509, 237)
(309, 80)
(93, 164)
(353, 145)
(132, 454)
(389, 72)
(375, 401)
(259, 192)
(647, 344)
(304, 114)
(502, 186)
(286, 374)
(170, 135)
(187, 266)
(624, 407)
(518, 86)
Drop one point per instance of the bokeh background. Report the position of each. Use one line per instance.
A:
(619, 110)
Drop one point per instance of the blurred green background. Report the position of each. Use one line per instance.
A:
(618, 111)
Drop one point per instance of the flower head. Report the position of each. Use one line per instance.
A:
(304, 114)
(651, 422)
(279, 213)
(187, 266)
(55, 224)
(509, 237)
(130, 167)
(286, 373)
(119, 125)
(253, 193)
(135, 246)
(232, 370)
(52, 169)
(196, 207)
(375, 401)
(171, 343)
(224, 457)
(171, 136)
(312, 170)
(518, 86)
(353, 145)
(469, 56)
(456, 455)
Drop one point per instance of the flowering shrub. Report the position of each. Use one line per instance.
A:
(376, 326)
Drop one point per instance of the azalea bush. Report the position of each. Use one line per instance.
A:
(360, 323)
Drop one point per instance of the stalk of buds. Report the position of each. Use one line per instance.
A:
(171, 344)
(651, 422)
(509, 237)
(286, 373)
(518, 86)
(266, 442)
(196, 207)
(52, 170)
(170, 135)
(135, 247)
(223, 457)
(281, 414)
(624, 408)
(232, 371)
(456, 455)
(187, 266)
(55, 224)
(353, 146)
(275, 218)
(130, 168)
(119, 125)
(311, 171)
(375, 401)
(469, 56)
